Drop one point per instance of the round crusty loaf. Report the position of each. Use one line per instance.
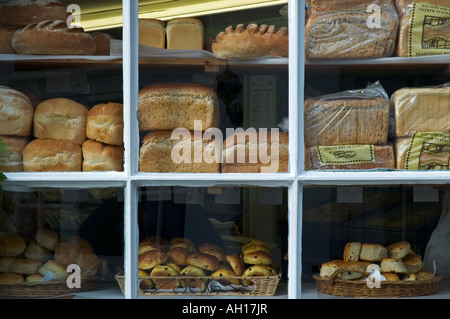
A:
(12, 159)
(25, 266)
(105, 123)
(16, 113)
(87, 260)
(6, 34)
(99, 156)
(11, 278)
(46, 155)
(53, 37)
(60, 119)
(66, 253)
(37, 252)
(56, 269)
(24, 12)
(11, 245)
(47, 238)
(151, 258)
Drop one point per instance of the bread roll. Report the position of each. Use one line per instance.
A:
(258, 258)
(248, 249)
(203, 261)
(413, 263)
(61, 119)
(16, 114)
(183, 242)
(251, 42)
(167, 106)
(105, 123)
(399, 249)
(12, 159)
(221, 275)
(352, 251)
(214, 250)
(347, 157)
(160, 153)
(421, 110)
(11, 278)
(25, 266)
(5, 263)
(87, 260)
(11, 245)
(45, 155)
(6, 34)
(185, 34)
(178, 255)
(389, 276)
(152, 32)
(33, 278)
(373, 252)
(56, 269)
(192, 271)
(24, 12)
(151, 259)
(254, 271)
(164, 271)
(66, 253)
(80, 242)
(102, 42)
(236, 263)
(37, 252)
(393, 265)
(424, 275)
(99, 156)
(253, 152)
(53, 38)
(47, 238)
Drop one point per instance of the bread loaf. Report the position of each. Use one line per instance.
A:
(60, 119)
(185, 34)
(11, 278)
(102, 42)
(167, 106)
(350, 157)
(99, 156)
(16, 113)
(339, 30)
(346, 121)
(152, 32)
(53, 38)
(251, 42)
(25, 266)
(24, 12)
(421, 110)
(6, 34)
(105, 123)
(413, 263)
(12, 160)
(44, 155)
(11, 245)
(47, 238)
(160, 153)
(253, 152)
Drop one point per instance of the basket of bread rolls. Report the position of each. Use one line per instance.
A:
(372, 270)
(39, 267)
(178, 266)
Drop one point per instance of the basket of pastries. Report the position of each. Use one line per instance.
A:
(178, 266)
(46, 265)
(371, 270)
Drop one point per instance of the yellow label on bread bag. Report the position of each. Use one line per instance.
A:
(428, 151)
(345, 154)
(429, 32)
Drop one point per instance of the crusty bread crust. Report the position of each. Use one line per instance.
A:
(24, 12)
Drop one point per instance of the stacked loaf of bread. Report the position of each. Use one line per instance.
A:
(176, 119)
(46, 254)
(348, 130)
(174, 263)
(422, 129)
(176, 34)
(396, 261)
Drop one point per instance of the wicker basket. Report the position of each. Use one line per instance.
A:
(49, 289)
(388, 289)
(262, 286)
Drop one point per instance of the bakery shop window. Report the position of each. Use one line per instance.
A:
(337, 221)
(52, 238)
(201, 236)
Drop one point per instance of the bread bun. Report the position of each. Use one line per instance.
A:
(36, 251)
(6, 34)
(25, 266)
(221, 274)
(424, 275)
(33, 278)
(147, 247)
(151, 259)
(57, 270)
(214, 250)
(11, 278)
(236, 263)
(329, 268)
(249, 249)
(185, 34)
(203, 261)
(352, 251)
(256, 241)
(144, 283)
(98, 156)
(102, 42)
(12, 159)
(399, 250)
(254, 271)
(373, 252)
(60, 119)
(66, 254)
(258, 258)
(393, 265)
(80, 242)
(53, 37)
(47, 238)
(5, 263)
(178, 255)
(88, 260)
(164, 271)
(11, 245)
(413, 263)
(105, 123)
(156, 240)
(191, 283)
(409, 277)
(389, 276)
(24, 12)
(16, 114)
(46, 155)
(183, 242)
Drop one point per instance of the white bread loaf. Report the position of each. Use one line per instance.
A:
(12, 159)
(185, 34)
(152, 32)
(53, 38)
(16, 113)
(60, 119)
(251, 42)
(105, 123)
(167, 106)
(98, 156)
(45, 155)
(25, 12)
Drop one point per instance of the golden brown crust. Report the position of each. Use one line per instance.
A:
(25, 266)
(185, 34)
(47, 238)
(56, 269)
(214, 250)
(398, 250)
(236, 263)
(36, 251)
(192, 271)
(53, 37)
(87, 260)
(16, 114)
(221, 274)
(11, 245)
(164, 271)
(98, 156)
(5, 263)
(178, 255)
(24, 12)
(203, 261)
(105, 123)
(11, 278)
(6, 34)
(258, 258)
(352, 251)
(248, 249)
(152, 32)
(12, 159)
(66, 253)
(102, 42)
(151, 259)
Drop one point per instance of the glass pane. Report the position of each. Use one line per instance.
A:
(210, 241)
